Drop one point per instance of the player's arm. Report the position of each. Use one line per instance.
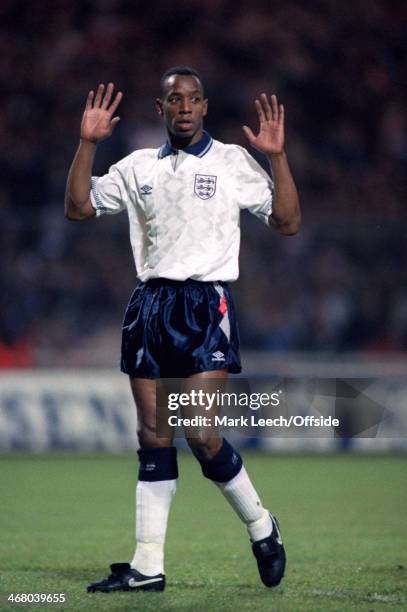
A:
(286, 215)
(97, 124)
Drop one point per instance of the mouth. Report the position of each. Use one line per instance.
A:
(184, 124)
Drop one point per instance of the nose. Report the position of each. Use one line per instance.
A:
(185, 106)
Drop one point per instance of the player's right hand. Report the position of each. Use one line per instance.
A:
(98, 121)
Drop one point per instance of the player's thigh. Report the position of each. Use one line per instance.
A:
(204, 440)
(152, 431)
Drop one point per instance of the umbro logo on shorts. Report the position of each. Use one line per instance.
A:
(146, 189)
(218, 356)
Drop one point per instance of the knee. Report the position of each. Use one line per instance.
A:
(205, 449)
(219, 461)
(148, 439)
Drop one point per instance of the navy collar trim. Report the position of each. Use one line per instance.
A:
(199, 149)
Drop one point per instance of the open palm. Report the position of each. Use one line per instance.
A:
(270, 138)
(98, 121)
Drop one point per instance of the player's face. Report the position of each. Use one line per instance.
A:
(183, 108)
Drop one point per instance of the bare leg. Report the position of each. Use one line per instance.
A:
(207, 443)
(145, 396)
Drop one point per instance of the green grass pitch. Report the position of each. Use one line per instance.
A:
(343, 520)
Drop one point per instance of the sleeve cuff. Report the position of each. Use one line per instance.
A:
(95, 198)
(265, 212)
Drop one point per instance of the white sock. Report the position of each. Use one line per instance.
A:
(153, 501)
(244, 500)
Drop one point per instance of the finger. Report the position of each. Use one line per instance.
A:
(260, 111)
(89, 100)
(99, 95)
(249, 133)
(115, 102)
(114, 121)
(266, 106)
(108, 95)
(281, 117)
(274, 107)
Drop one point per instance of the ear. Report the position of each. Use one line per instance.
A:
(159, 107)
(205, 107)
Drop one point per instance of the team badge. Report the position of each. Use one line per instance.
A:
(205, 186)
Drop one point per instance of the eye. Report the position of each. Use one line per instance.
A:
(196, 99)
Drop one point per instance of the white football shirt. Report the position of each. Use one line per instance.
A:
(184, 207)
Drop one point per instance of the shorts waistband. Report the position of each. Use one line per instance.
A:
(165, 282)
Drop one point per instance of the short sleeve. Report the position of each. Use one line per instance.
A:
(255, 187)
(109, 193)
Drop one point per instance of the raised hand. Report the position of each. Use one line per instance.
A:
(98, 121)
(270, 138)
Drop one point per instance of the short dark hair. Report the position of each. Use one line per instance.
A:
(182, 70)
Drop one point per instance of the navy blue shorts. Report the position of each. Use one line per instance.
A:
(174, 329)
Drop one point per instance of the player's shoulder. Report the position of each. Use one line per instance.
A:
(135, 159)
(222, 146)
(229, 150)
(233, 156)
(239, 161)
(140, 156)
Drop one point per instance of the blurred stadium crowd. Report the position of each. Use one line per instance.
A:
(340, 71)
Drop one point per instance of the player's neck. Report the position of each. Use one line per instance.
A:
(182, 143)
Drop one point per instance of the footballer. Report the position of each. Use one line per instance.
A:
(183, 202)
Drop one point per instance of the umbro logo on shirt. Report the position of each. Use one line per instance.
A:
(218, 356)
(146, 189)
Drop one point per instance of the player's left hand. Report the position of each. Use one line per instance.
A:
(270, 138)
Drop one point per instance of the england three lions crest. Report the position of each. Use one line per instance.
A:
(205, 186)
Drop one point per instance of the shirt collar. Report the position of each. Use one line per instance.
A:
(199, 149)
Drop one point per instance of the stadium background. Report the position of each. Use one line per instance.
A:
(338, 286)
(331, 301)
